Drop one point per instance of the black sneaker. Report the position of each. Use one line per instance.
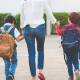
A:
(71, 78)
(11, 76)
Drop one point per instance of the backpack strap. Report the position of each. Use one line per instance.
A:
(74, 26)
(9, 29)
(67, 27)
(7, 32)
(2, 29)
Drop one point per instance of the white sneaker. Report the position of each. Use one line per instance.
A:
(77, 74)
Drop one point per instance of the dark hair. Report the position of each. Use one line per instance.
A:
(9, 19)
(74, 17)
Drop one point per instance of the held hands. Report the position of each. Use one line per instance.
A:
(57, 24)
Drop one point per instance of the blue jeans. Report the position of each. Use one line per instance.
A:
(72, 59)
(10, 65)
(30, 34)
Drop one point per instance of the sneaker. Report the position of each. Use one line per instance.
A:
(77, 74)
(41, 76)
(11, 76)
(71, 78)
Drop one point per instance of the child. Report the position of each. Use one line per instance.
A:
(73, 18)
(11, 64)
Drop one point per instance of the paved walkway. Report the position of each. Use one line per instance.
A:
(54, 67)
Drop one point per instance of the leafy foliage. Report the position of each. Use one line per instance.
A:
(60, 16)
(2, 16)
(18, 22)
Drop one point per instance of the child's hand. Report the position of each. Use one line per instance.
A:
(57, 24)
(19, 38)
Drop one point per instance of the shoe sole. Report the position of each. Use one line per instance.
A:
(69, 79)
(41, 78)
(10, 77)
(77, 75)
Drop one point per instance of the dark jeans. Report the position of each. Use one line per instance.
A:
(30, 34)
(72, 59)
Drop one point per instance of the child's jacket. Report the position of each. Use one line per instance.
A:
(59, 32)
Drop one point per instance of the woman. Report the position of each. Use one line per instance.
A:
(33, 26)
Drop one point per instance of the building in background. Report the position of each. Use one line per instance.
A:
(13, 6)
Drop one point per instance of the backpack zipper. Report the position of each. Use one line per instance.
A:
(67, 43)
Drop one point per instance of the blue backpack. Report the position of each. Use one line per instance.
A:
(70, 40)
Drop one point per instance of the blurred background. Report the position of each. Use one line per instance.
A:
(60, 9)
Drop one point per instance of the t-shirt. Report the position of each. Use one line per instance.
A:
(16, 32)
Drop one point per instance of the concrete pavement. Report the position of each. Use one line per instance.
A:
(54, 65)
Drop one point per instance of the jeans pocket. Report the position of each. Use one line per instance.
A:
(27, 30)
(41, 30)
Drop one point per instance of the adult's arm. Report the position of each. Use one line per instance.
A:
(22, 15)
(49, 13)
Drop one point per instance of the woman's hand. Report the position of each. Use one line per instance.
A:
(57, 24)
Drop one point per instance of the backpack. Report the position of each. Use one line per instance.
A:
(70, 40)
(6, 43)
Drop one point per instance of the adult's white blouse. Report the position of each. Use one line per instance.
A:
(32, 13)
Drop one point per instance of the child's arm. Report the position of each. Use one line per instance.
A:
(59, 32)
(17, 34)
(19, 38)
(78, 28)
